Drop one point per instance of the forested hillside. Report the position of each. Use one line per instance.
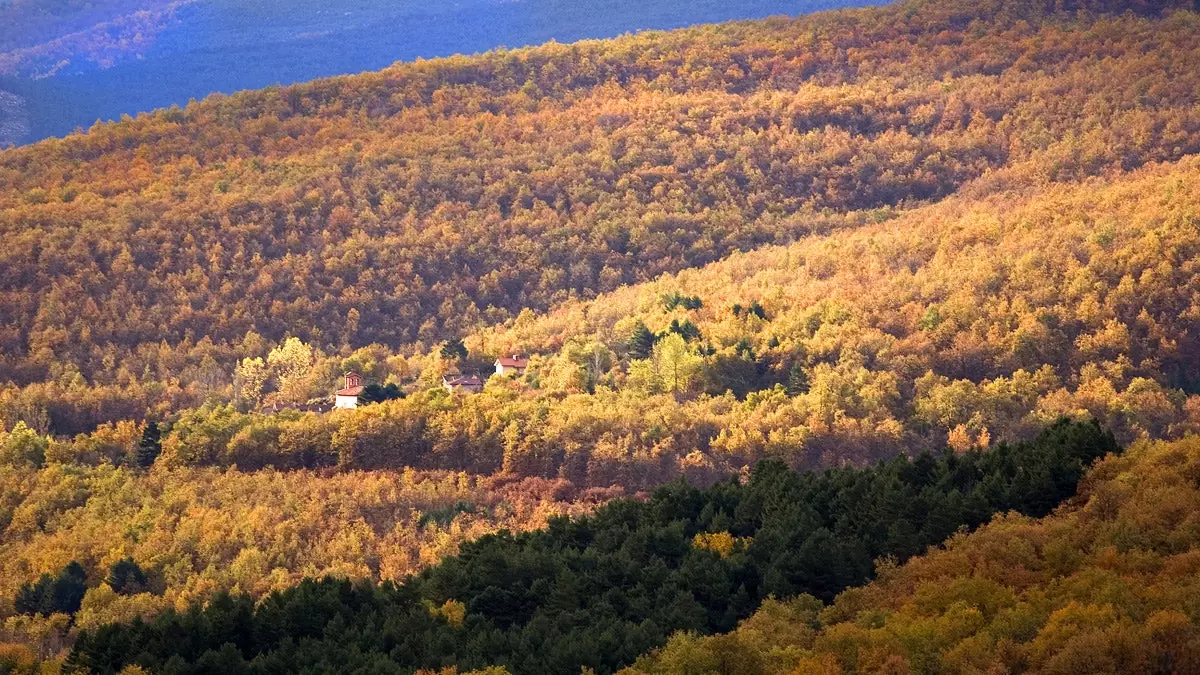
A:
(596, 591)
(965, 323)
(1106, 585)
(192, 533)
(767, 265)
(144, 258)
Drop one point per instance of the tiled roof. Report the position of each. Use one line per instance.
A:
(461, 380)
(513, 361)
(350, 391)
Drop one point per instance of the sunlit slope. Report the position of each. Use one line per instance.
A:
(967, 322)
(201, 531)
(974, 319)
(429, 199)
(1106, 585)
(599, 591)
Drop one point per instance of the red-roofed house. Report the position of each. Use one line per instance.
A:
(468, 384)
(348, 396)
(511, 365)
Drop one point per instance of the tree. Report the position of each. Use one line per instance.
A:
(374, 393)
(685, 329)
(678, 365)
(578, 367)
(737, 372)
(677, 299)
(202, 436)
(797, 381)
(249, 379)
(62, 594)
(454, 350)
(688, 558)
(126, 577)
(291, 363)
(598, 361)
(641, 342)
(342, 262)
(23, 445)
(150, 446)
(33, 598)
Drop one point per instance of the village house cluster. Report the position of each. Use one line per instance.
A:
(514, 366)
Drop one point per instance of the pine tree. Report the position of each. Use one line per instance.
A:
(797, 382)
(641, 343)
(454, 350)
(150, 447)
(374, 393)
(126, 577)
(35, 598)
(686, 329)
(69, 588)
(49, 595)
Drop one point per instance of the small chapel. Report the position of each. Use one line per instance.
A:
(347, 397)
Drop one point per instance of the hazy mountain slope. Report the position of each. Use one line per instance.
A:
(432, 198)
(89, 61)
(31, 29)
(1106, 585)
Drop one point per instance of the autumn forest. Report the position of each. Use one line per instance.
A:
(857, 342)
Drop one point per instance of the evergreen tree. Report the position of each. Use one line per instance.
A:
(620, 580)
(677, 299)
(797, 381)
(69, 588)
(54, 595)
(454, 350)
(33, 598)
(374, 393)
(641, 343)
(686, 329)
(126, 577)
(150, 447)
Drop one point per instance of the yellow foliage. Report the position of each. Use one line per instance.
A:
(453, 612)
(607, 164)
(721, 543)
(17, 659)
(199, 531)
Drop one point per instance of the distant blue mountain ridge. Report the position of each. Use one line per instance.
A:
(199, 47)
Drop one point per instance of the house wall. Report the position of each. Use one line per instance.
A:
(346, 402)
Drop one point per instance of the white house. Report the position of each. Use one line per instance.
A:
(348, 397)
(511, 365)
